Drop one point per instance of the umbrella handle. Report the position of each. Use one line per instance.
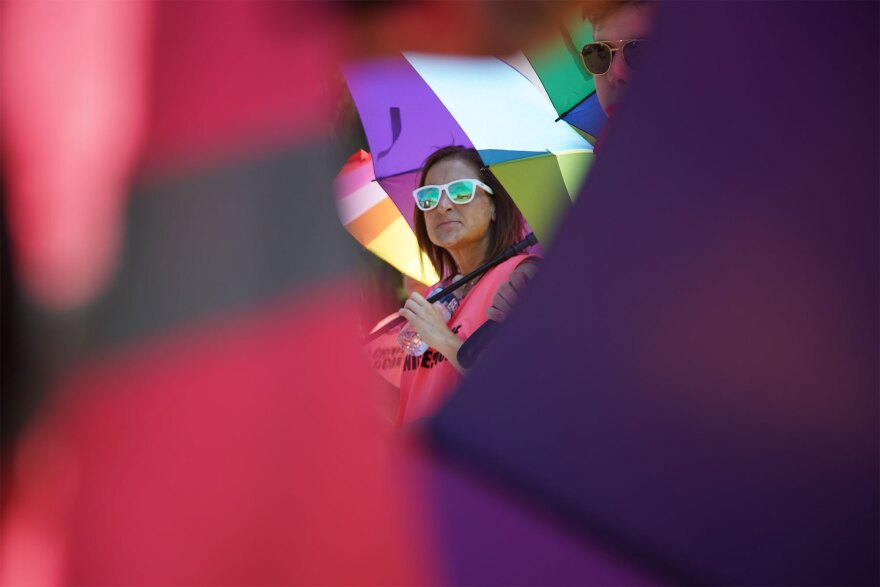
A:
(515, 249)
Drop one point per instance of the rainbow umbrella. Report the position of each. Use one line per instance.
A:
(412, 104)
(557, 68)
(374, 221)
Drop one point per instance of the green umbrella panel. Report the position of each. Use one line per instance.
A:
(566, 81)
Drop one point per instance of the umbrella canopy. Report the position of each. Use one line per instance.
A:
(374, 221)
(413, 104)
(559, 69)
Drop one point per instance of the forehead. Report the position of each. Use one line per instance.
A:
(451, 169)
(627, 22)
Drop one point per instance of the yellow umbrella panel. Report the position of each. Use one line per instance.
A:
(544, 186)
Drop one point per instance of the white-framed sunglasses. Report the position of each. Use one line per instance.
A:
(460, 191)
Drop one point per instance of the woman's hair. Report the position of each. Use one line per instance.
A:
(504, 231)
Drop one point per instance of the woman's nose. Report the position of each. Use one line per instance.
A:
(445, 203)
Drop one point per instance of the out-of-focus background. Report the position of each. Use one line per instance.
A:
(689, 393)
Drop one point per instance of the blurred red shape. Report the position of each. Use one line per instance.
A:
(242, 452)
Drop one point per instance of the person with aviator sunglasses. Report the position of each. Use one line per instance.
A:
(463, 218)
(620, 36)
(620, 39)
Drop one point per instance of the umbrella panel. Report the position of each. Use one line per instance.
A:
(400, 187)
(568, 84)
(541, 185)
(374, 220)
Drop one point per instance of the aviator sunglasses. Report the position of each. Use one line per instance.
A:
(460, 191)
(597, 56)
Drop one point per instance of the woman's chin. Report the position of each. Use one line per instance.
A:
(445, 237)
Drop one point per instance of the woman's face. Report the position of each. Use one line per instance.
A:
(458, 227)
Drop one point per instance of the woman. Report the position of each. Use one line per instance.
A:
(463, 218)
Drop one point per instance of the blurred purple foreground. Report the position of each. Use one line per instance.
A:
(694, 375)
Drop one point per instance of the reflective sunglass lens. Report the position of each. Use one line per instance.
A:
(461, 192)
(597, 58)
(634, 53)
(427, 198)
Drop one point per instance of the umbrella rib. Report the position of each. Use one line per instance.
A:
(581, 101)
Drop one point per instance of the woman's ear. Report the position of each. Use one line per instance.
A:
(493, 211)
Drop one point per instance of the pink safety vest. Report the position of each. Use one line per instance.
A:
(427, 380)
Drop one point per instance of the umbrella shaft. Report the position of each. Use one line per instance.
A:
(509, 252)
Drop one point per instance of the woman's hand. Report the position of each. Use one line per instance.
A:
(429, 322)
